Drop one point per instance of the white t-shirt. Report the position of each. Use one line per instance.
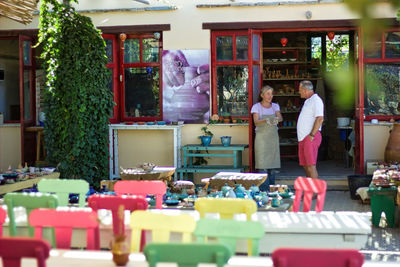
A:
(261, 110)
(313, 107)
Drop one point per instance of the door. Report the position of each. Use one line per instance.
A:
(27, 101)
(255, 82)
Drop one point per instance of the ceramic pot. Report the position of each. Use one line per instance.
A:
(226, 140)
(205, 140)
(120, 250)
(392, 151)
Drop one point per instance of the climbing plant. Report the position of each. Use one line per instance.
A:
(77, 102)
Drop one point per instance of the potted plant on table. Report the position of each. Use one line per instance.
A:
(206, 137)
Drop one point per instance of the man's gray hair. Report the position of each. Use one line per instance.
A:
(306, 84)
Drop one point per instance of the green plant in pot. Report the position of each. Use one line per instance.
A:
(206, 137)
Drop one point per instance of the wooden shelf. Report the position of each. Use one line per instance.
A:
(286, 127)
(286, 112)
(288, 144)
(288, 95)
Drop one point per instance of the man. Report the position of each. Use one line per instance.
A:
(308, 128)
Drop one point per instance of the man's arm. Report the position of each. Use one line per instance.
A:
(317, 124)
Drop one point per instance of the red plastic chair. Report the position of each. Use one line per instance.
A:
(64, 220)
(309, 186)
(12, 249)
(3, 215)
(302, 257)
(142, 188)
(114, 203)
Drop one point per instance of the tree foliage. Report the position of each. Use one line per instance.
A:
(77, 102)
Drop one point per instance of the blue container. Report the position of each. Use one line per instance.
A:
(343, 134)
(226, 140)
(205, 140)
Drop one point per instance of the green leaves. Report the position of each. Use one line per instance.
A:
(77, 100)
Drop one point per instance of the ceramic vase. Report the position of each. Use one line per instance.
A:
(120, 250)
(392, 151)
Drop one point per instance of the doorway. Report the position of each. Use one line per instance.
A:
(292, 56)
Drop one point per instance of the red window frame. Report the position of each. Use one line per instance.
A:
(216, 63)
(382, 59)
(124, 65)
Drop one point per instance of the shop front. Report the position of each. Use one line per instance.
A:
(164, 69)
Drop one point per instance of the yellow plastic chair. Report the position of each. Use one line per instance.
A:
(225, 207)
(63, 187)
(228, 232)
(161, 226)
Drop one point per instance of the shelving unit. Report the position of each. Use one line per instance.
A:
(283, 69)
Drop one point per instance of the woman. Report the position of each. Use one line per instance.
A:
(266, 116)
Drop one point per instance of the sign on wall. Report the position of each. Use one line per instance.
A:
(186, 86)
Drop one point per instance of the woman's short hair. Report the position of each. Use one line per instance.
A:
(263, 90)
(306, 84)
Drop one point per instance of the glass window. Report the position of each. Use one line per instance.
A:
(256, 47)
(27, 95)
(132, 51)
(150, 50)
(392, 43)
(27, 52)
(142, 92)
(224, 48)
(373, 49)
(232, 90)
(109, 50)
(242, 47)
(382, 89)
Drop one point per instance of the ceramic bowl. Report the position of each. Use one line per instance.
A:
(161, 123)
(283, 59)
(48, 169)
(274, 59)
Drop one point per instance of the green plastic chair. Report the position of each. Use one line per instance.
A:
(187, 255)
(29, 201)
(63, 187)
(229, 231)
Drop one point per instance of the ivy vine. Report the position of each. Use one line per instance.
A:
(77, 102)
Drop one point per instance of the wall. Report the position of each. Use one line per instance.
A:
(375, 140)
(10, 146)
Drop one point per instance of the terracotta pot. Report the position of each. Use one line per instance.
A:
(392, 151)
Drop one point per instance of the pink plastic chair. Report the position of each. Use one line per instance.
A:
(12, 249)
(142, 188)
(3, 215)
(114, 203)
(303, 257)
(309, 186)
(64, 220)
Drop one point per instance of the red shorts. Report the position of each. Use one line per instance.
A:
(308, 150)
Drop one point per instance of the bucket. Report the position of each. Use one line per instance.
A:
(357, 181)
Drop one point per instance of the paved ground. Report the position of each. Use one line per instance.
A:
(384, 243)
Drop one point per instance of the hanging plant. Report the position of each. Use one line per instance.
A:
(77, 102)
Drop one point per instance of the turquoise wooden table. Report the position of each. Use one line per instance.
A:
(218, 151)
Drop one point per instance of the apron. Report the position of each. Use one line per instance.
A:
(266, 146)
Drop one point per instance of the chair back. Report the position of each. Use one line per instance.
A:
(29, 201)
(187, 255)
(303, 257)
(142, 188)
(229, 231)
(64, 220)
(307, 187)
(226, 207)
(12, 249)
(3, 216)
(161, 226)
(63, 187)
(117, 203)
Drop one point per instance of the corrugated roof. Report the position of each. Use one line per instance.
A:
(18, 10)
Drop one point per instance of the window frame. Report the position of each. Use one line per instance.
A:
(381, 60)
(218, 63)
(140, 64)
